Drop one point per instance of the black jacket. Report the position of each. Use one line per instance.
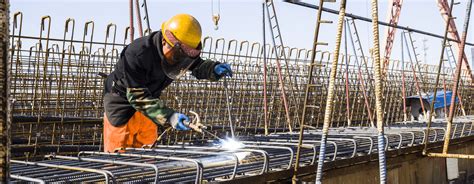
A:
(138, 80)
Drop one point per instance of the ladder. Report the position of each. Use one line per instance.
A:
(415, 78)
(452, 30)
(358, 51)
(146, 18)
(310, 85)
(417, 60)
(393, 16)
(139, 8)
(278, 41)
(358, 47)
(451, 59)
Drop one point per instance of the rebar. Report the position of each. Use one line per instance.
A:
(309, 84)
(457, 76)
(69, 75)
(330, 94)
(132, 30)
(417, 83)
(366, 19)
(139, 18)
(207, 162)
(440, 65)
(278, 64)
(264, 57)
(405, 118)
(359, 70)
(378, 94)
(346, 75)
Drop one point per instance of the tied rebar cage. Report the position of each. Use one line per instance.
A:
(57, 85)
(187, 163)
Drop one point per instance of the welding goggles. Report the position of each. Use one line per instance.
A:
(180, 58)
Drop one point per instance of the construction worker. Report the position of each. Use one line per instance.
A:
(148, 65)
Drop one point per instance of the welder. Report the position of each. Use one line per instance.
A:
(133, 109)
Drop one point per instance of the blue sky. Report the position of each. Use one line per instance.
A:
(242, 19)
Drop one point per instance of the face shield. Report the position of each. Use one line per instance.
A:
(179, 59)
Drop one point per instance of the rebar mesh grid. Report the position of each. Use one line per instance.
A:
(57, 86)
(187, 162)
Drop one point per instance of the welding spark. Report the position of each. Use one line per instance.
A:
(231, 144)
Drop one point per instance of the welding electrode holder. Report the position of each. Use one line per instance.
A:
(195, 123)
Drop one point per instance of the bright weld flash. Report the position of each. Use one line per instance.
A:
(231, 144)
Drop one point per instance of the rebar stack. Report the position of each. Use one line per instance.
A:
(57, 86)
(208, 161)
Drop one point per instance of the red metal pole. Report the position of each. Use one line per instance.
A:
(348, 112)
(131, 20)
(139, 18)
(444, 9)
(393, 15)
(404, 93)
(456, 78)
(265, 110)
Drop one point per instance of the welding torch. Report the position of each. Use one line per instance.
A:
(197, 126)
(194, 124)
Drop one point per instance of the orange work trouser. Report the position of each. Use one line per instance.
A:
(138, 131)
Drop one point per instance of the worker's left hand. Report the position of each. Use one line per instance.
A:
(179, 121)
(223, 69)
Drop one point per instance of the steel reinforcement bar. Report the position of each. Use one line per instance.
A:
(57, 86)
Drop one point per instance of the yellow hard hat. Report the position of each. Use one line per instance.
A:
(185, 28)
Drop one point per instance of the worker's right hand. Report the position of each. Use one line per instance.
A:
(179, 121)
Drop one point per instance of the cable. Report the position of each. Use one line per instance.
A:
(227, 96)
